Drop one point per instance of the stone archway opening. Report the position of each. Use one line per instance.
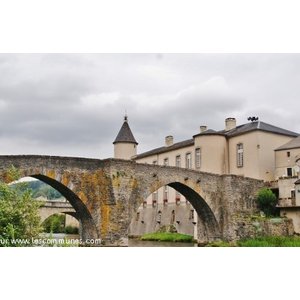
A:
(205, 222)
(61, 223)
(76, 209)
(180, 207)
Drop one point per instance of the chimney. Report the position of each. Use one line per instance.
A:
(169, 141)
(203, 128)
(230, 123)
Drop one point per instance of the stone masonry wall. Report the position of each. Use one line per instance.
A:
(251, 227)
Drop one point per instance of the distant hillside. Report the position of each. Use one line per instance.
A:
(39, 189)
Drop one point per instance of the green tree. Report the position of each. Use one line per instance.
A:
(267, 201)
(55, 223)
(19, 215)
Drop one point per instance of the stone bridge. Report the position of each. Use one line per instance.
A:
(49, 208)
(106, 193)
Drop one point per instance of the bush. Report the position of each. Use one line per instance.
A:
(55, 224)
(19, 214)
(271, 241)
(71, 230)
(267, 200)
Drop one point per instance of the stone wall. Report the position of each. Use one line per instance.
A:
(250, 227)
(240, 194)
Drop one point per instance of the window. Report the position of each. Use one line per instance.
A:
(191, 216)
(173, 217)
(154, 202)
(188, 161)
(288, 154)
(178, 161)
(137, 216)
(155, 196)
(289, 172)
(198, 158)
(166, 162)
(165, 193)
(159, 217)
(293, 194)
(177, 198)
(240, 155)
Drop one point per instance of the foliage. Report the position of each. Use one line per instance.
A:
(19, 215)
(55, 224)
(71, 230)
(167, 228)
(167, 237)
(267, 200)
(271, 241)
(220, 244)
(262, 241)
(41, 189)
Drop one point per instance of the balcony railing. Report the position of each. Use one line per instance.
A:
(286, 202)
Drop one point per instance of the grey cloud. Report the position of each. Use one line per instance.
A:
(73, 104)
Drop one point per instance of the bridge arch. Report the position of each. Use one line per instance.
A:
(47, 211)
(208, 227)
(82, 214)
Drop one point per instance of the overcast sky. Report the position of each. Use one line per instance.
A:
(73, 104)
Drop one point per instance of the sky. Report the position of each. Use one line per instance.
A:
(74, 104)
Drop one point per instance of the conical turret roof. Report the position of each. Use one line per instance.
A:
(125, 135)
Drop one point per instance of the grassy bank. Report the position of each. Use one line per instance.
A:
(167, 237)
(267, 241)
(271, 241)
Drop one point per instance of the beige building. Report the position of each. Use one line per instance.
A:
(246, 150)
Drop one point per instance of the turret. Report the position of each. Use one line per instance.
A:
(125, 145)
